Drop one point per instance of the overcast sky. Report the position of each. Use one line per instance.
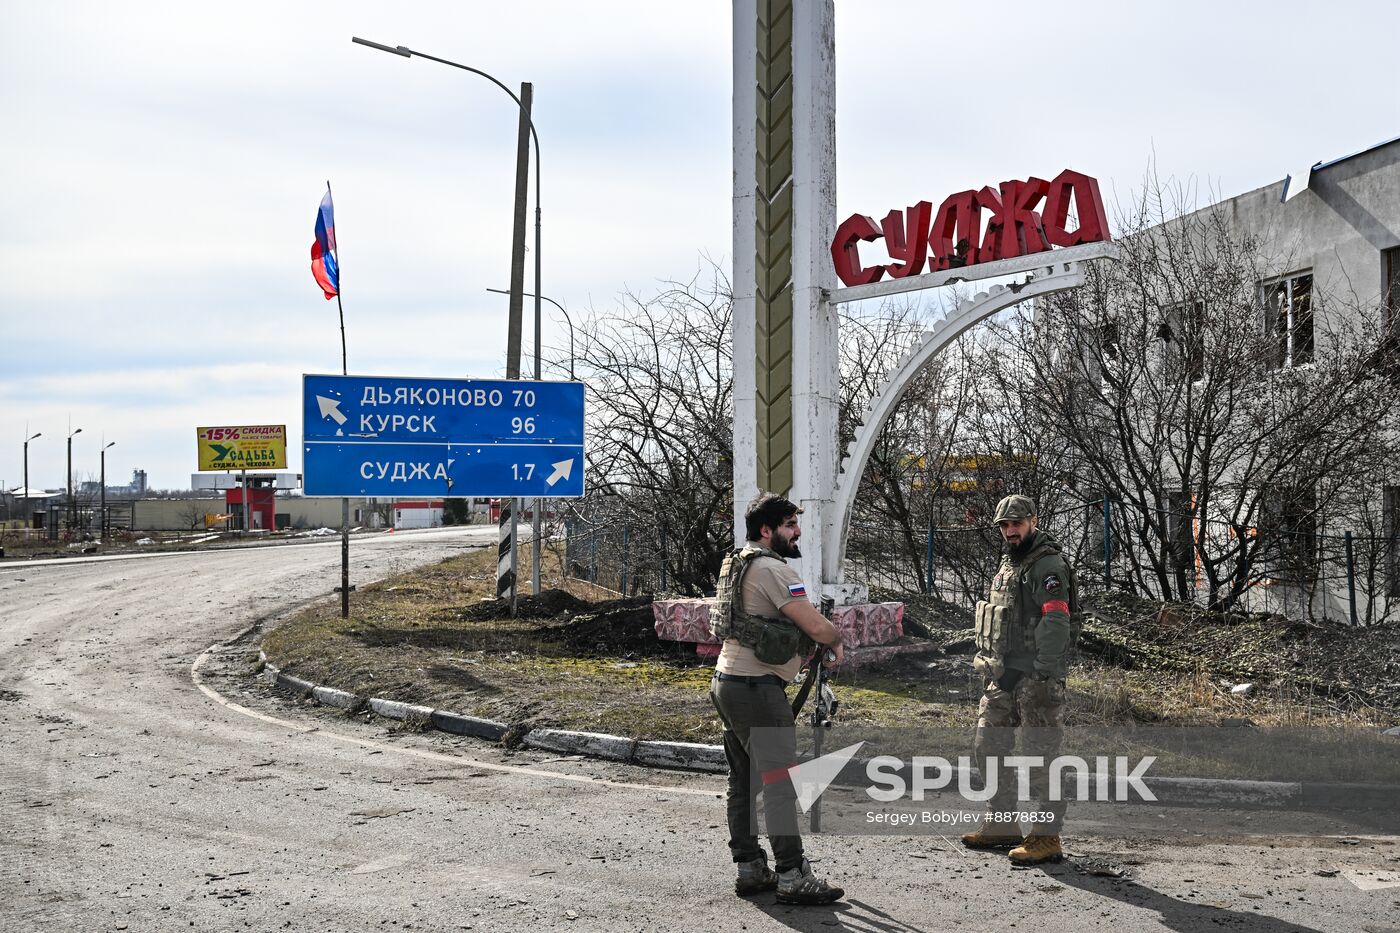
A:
(161, 164)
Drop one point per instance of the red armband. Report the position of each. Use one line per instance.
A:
(1054, 605)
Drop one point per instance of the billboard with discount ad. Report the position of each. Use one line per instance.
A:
(243, 447)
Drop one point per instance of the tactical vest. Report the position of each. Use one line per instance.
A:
(773, 641)
(995, 614)
(1002, 622)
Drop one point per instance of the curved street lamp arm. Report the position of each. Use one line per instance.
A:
(406, 52)
(502, 291)
(567, 320)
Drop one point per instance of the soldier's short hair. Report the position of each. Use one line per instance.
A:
(767, 508)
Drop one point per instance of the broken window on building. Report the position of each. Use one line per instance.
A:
(1183, 332)
(1288, 534)
(1390, 297)
(1288, 320)
(1110, 354)
(1180, 532)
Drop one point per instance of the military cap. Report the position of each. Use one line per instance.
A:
(1013, 507)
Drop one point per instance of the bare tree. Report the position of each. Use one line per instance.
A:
(1222, 437)
(193, 513)
(660, 373)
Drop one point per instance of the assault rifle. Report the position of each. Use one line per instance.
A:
(824, 703)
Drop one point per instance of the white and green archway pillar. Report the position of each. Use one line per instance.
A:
(785, 334)
(786, 361)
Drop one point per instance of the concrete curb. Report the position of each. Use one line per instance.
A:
(595, 744)
(329, 696)
(393, 709)
(1192, 792)
(458, 724)
(683, 756)
(693, 756)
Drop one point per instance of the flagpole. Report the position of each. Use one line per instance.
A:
(344, 500)
(344, 370)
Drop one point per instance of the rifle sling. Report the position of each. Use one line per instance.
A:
(813, 668)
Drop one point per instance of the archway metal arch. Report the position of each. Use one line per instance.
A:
(1056, 277)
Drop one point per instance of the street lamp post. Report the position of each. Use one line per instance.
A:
(28, 518)
(535, 551)
(567, 320)
(513, 343)
(520, 168)
(102, 516)
(72, 504)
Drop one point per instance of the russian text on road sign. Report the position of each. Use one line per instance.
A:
(399, 436)
(243, 447)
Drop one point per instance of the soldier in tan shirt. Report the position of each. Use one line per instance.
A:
(769, 585)
(748, 694)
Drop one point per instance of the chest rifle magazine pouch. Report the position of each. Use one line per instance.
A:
(991, 627)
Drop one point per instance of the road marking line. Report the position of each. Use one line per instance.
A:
(459, 761)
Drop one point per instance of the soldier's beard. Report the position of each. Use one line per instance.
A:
(1021, 548)
(785, 547)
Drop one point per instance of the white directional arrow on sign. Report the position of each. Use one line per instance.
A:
(562, 469)
(330, 407)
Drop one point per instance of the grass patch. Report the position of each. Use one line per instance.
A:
(435, 637)
(431, 637)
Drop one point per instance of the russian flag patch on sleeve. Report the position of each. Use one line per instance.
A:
(797, 589)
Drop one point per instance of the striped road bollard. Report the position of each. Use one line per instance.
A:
(505, 555)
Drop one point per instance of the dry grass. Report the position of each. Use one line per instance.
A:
(406, 639)
(1102, 695)
(409, 639)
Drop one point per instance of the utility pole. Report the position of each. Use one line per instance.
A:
(72, 504)
(102, 516)
(28, 516)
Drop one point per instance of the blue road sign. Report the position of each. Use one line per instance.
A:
(398, 436)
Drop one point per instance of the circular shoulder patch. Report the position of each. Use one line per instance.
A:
(1051, 583)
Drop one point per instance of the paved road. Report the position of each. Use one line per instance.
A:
(132, 797)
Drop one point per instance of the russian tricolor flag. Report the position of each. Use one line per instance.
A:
(323, 264)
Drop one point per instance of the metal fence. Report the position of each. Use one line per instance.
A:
(1341, 575)
(624, 557)
(1312, 573)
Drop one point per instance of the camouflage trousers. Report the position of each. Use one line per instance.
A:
(1037, 708)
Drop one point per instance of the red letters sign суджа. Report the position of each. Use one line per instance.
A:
(953, 236)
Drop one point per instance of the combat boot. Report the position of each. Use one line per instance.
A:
(800, 886)
(755, 877)
(1037, 849)
(990, 838)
